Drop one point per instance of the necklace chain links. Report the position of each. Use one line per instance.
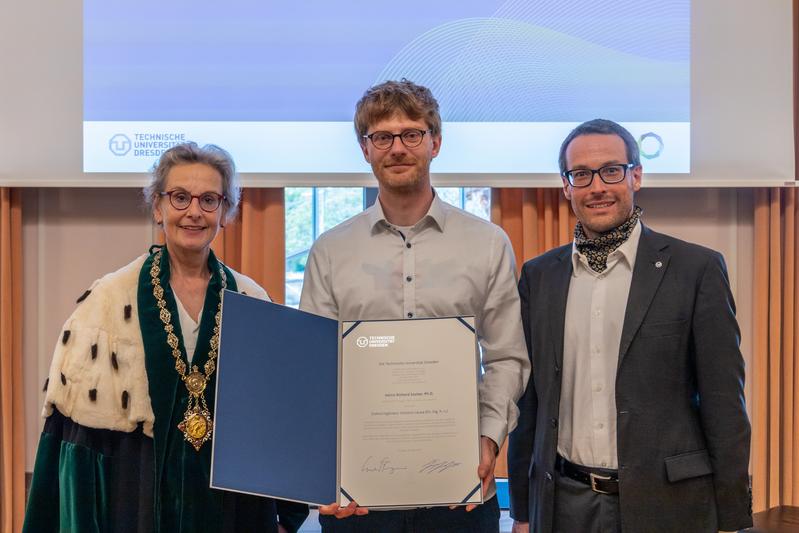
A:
(197, 424)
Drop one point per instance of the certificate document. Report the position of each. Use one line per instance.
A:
(312, 410)
(409, 413)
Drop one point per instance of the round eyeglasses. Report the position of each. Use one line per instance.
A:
(181, 200)
(383, 140)
(610, 174)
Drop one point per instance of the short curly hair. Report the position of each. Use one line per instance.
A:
(383, 101)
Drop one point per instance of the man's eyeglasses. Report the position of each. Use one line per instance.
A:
(383, 140)
(181, 200)
(582, 177)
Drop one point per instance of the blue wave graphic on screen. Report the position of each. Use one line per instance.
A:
(485, 60)
(654, 29)
(506, 70)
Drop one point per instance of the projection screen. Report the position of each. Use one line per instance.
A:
(93, 95)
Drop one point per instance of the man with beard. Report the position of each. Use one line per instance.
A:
(410, 255)
(635, 418)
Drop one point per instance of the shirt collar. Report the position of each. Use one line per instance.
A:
(437, 213)
(628, 249)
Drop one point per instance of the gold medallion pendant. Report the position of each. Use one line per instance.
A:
(197, 426)
(195, 382)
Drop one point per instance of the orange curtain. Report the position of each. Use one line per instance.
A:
(536, 220)
(12, 411)
(775, 402)
(255, 243)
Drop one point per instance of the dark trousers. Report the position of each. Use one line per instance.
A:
(578, 508)
(483, 519)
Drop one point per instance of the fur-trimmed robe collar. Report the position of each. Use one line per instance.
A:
(97, 376)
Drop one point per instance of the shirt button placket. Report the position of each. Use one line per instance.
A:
(409, 278)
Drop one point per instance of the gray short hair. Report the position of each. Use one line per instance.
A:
(601, 126)
(186, 154)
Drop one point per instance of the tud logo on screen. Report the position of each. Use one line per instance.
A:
(148, 144)
(119, 144)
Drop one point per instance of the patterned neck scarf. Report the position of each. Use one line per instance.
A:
(597, 250)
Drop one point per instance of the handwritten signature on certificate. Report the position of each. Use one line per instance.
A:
(434, 466)
(380, 466)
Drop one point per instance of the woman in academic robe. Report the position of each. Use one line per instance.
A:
(126, 444)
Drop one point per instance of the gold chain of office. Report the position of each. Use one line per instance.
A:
(197, 424)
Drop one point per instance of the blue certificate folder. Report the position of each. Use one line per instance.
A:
(276, 416)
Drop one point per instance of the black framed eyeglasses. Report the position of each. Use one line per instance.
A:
(181, 200)
(610, 174)
(383, 140)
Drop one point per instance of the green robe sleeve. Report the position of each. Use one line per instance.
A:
(69, 490)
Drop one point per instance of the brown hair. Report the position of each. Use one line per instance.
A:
(385, 100)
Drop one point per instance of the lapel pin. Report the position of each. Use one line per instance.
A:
(658, 264)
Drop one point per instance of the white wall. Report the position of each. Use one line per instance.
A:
(73, 236)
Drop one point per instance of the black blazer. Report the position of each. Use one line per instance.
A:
(683, 433)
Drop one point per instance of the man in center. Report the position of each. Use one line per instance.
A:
(410, 255)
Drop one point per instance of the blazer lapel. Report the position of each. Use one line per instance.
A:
(651, 262)
(558, 282)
